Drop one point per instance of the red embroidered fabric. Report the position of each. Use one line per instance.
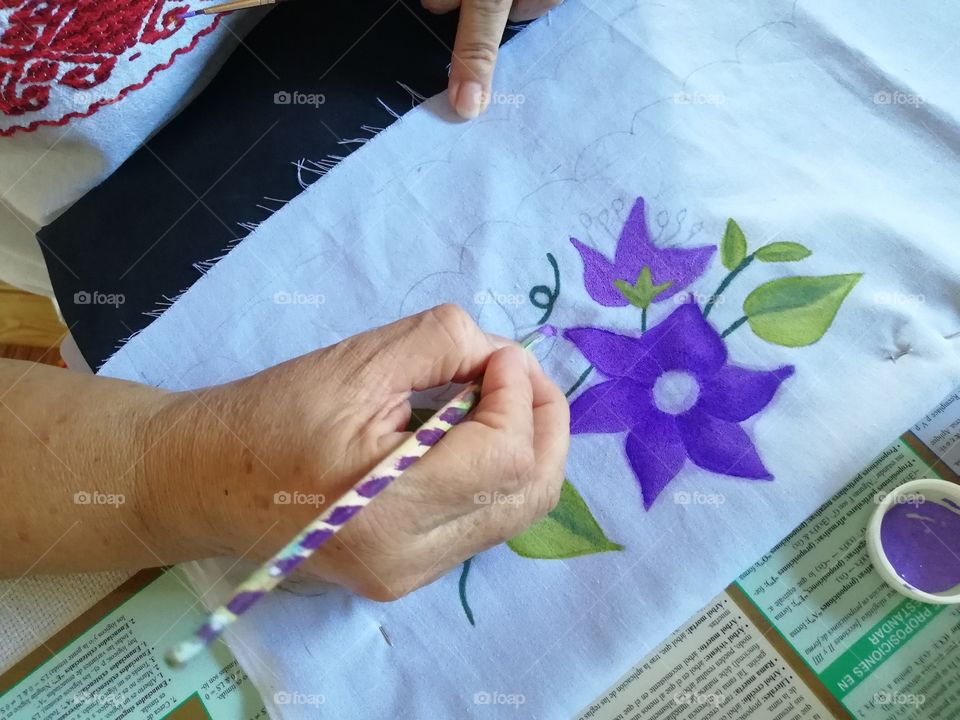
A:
(78, 47)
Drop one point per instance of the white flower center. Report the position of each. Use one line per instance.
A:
(675, 392)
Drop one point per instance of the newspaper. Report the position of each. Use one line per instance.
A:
(108, 663)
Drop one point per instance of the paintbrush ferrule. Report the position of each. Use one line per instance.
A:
(229, 7)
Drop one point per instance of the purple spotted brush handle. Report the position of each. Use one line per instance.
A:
(281, 565)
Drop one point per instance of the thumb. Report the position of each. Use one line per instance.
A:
(479, 32)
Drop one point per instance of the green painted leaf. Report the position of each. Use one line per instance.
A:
(644, 291)
(570, 530)
(733, 247)
(783, 252)
(797, 311)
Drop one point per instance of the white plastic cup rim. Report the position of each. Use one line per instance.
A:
(927, 488)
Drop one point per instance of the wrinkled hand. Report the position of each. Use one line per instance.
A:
(479, 32)
(313, 426)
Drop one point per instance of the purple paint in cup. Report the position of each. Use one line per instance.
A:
(922, 542)
(914, 540)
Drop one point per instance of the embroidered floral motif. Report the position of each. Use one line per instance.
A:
(66, 59)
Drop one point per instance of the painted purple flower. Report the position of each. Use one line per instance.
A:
(635, 251)
(674, 393)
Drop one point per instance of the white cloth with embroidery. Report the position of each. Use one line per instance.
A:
(108, 97)
(806, 123)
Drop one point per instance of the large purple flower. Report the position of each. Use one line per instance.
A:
(676, 396)
(635, 251)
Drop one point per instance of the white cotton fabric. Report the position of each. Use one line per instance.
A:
(767, 112)
(43, 172)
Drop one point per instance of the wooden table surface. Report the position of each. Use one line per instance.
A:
(30, 328)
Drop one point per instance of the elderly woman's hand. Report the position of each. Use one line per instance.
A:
(99, 473)
(265, 455)
(481, 27)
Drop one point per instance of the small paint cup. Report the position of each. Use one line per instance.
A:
(911, 545)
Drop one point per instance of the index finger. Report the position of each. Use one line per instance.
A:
(479, 32)
(433, 348)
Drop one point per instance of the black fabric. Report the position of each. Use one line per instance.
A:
(200, 183)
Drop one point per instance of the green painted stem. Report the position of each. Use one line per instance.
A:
(726, 283)
(580, 380)
(551, 295)
(733, 327)
(463, 591)
(643, 320)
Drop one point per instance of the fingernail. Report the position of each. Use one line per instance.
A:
(469, 99)
(524, 10)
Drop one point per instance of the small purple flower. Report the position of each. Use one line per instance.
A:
(674, 393)
(635, 251)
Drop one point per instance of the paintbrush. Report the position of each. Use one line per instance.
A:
(229, 7)
(281, 565)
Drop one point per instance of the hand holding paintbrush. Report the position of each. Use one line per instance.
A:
(439, 512)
